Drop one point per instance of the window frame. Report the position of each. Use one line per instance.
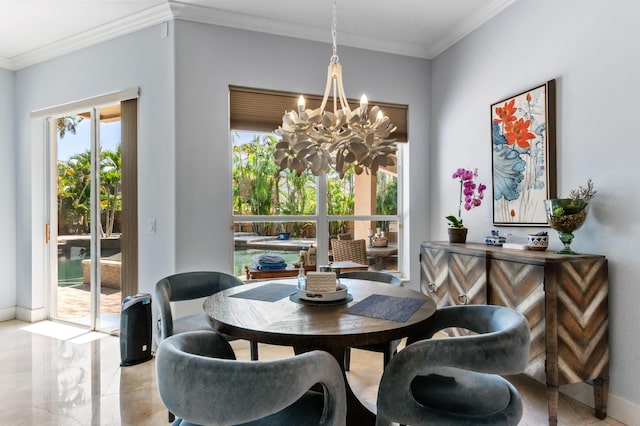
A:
(249, 114)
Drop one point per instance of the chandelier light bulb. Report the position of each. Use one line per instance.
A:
(364, 104)
(300, 104)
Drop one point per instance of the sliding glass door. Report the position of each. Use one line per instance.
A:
(86, 217)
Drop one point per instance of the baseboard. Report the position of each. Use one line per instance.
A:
(618, 408)
(30, 315)
(7, 314)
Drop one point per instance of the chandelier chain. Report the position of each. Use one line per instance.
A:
(334, 34)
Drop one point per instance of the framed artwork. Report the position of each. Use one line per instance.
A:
(523, 156)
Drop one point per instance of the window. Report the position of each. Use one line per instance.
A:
(278, 212)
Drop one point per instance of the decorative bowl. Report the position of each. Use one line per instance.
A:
(537, 242)
(495, 241)
(324, 296)
(565, 215)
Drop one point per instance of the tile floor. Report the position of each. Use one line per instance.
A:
(54, 374)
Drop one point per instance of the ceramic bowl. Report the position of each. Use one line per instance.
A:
(537, 242)
(495, 241)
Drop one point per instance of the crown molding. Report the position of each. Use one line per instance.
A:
(207, 15)
(467, 26)
(6, 64)
(114, 29)
(194, 13)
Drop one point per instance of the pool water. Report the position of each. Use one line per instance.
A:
(69, 272)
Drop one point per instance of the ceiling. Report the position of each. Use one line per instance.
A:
(33, 31)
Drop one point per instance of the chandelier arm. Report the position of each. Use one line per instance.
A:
(327, 88)
(343, 97)
(335, 88)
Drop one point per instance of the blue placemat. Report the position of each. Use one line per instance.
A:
(386, 307)
(267, 293)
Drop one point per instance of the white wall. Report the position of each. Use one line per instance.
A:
(208, 60)
(7, 195)
(143, 59)
(590, 47)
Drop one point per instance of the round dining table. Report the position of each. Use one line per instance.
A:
(282, 318)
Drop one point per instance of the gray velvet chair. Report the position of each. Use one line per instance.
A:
(201, 382)
(388, 349)
(189, 286)
(456, 381)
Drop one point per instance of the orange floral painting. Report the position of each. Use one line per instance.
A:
(523, 160)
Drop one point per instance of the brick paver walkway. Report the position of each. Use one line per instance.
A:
(74, 301)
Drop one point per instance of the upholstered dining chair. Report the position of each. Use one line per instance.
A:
(388, 349)
(189, 286)
(201, 382)
(349, 250)
(456, 381)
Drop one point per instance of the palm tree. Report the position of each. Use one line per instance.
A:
(67, 124)
(110, 191)
(74, 192)
(340, 199)
(254, 178)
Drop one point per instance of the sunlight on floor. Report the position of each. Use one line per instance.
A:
(64, 332)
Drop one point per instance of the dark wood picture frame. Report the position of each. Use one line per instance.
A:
(523, 162)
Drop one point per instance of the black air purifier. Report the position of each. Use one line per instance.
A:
(135, 329)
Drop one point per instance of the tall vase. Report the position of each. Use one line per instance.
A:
(565, 215)
(457, 235)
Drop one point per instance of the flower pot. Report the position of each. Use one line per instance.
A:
(457, 235)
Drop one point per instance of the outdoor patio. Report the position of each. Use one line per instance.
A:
(74, 302)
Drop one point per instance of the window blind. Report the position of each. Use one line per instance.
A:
(262, 110)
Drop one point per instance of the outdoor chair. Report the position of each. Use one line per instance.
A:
(349, 250)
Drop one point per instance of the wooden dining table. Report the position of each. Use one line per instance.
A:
(271, 312)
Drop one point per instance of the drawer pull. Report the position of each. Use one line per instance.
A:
(463, 299)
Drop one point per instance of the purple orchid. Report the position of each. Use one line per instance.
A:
(473, 194)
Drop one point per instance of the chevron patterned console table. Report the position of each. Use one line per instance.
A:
(563, 297)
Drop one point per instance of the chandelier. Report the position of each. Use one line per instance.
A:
(318, 140)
